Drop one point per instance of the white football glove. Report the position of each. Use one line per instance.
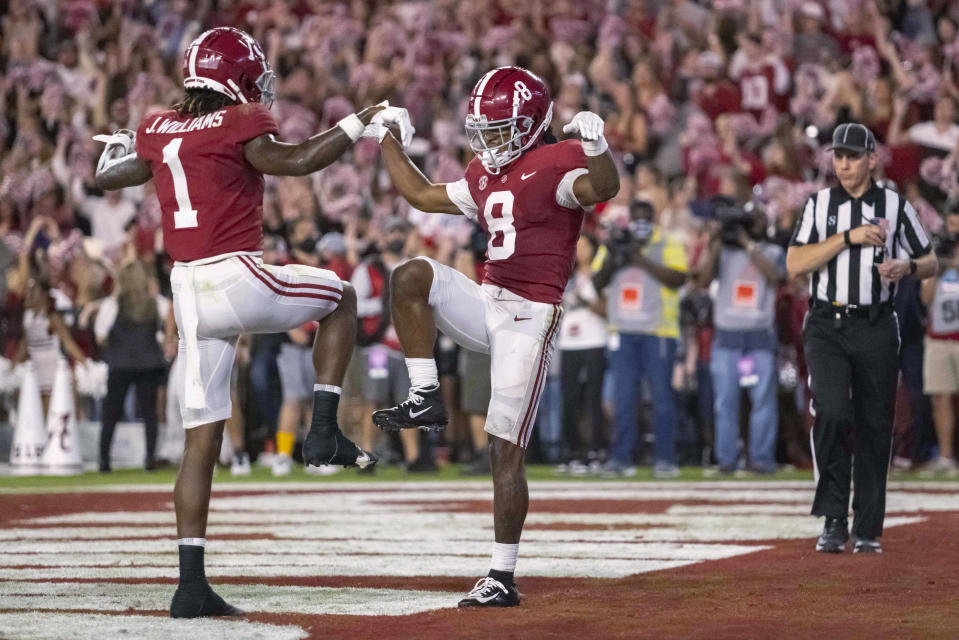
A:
(397, 116)
(119, 145)
(589, 126)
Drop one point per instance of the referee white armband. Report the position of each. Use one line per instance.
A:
(352, 126)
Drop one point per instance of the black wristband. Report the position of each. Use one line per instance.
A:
(845, 238)
(913, 265)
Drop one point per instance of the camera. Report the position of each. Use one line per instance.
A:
(728, 213)
(944, 243)
(731, 218)
(624, 241)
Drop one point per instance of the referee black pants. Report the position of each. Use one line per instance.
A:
(854, 368)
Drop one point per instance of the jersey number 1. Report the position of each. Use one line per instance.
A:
(502, 233)
(185, 216)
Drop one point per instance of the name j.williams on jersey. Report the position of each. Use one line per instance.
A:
(167, 125)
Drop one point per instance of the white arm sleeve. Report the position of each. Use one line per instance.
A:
(565, 197)
(459, 194)
(106, 316)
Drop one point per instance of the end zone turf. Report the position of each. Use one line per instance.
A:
(387, 559)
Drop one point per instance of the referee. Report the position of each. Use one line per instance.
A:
(857, 240)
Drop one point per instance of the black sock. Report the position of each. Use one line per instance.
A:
(191, 564)
(506, 577)
(325, 404)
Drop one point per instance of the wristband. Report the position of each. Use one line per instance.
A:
(845, 237)
(912, 267)
(595, 147)
(352, 126)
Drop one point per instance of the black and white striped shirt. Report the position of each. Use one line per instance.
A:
(851, 276)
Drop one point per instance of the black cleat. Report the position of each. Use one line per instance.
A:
(422, 410)
(335, 450)
(867, 545)
(834, 535)
(198, 600)
(490, 592)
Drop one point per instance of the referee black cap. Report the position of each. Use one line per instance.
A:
(854, 137)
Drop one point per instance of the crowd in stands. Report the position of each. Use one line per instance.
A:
(728, 98)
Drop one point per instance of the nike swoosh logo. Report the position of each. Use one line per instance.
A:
(518, 319)
(527, 175)
(418, 413)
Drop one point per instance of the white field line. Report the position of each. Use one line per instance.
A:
(26, 551)
(328, 501)
(476, 527)
(248, 597)
(85, 626)
(92, 533)
(349, 566)
(319, 554)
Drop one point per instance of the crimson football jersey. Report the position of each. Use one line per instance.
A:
(531, 237)
(764, 86)
(211, 198)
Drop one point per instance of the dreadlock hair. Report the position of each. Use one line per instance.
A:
(199, 102)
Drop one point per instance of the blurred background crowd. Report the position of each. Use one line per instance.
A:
(679, 345)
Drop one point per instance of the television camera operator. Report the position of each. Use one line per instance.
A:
(749, 269)
(642, 270)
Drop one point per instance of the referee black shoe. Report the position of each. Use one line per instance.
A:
(867, 545)
(423, 409)
(834, 535)
(490, 592)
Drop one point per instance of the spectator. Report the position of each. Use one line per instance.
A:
(127, 327)
(941, 133)
(582, 345)
(295, 360)
(941, 369)
(812, 44)
(386, 381)
(474, 373)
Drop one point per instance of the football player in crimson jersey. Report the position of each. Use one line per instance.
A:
(529, 197)
(207, 156)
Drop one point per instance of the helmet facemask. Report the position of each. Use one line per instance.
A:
(266, 84)
(497, 143)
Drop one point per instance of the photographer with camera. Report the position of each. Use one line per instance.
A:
(940, 372)
(749, 269)
(642, 269)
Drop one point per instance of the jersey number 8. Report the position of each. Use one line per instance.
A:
(502, 233)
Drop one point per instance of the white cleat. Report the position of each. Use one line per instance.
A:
(241, 465)
(282, 465)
